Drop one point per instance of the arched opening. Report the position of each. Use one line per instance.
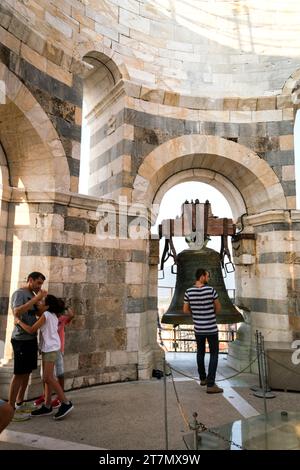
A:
(98, 122)
(247, 181)
(29, 161)
(170, 208)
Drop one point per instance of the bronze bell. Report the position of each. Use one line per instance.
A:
(188, 261)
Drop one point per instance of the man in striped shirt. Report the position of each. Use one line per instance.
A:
(202, 302)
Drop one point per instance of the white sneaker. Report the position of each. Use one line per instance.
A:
(26, 407)
(20, 416)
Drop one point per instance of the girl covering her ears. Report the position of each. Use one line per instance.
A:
(50, 347)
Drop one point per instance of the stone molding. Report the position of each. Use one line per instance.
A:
(115, 93)
(74, 200)
(170, 98)
(273, 216)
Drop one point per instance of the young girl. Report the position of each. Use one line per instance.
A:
(50, 347)
(63, 320)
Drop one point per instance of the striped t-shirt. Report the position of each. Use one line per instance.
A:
(201, 302)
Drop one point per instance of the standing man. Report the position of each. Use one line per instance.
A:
(202, 302)
(24, 306)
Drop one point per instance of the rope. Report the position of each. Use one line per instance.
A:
(200, 425)
(161, 342)
(238, 373)
(181, 410)
(220, 380)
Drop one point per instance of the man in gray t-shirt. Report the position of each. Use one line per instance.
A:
(21, 297)
(24, 306)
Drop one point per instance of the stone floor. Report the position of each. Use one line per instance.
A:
(130, 415)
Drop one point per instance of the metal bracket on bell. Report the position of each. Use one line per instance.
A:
(227, 269)
(172, 268)
(163, 274)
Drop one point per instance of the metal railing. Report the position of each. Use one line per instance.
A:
(182, 339)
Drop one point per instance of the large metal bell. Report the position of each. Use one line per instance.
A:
(188, 261)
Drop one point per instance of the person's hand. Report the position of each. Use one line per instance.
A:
(41, 295)
(70, 312)
(16, 321)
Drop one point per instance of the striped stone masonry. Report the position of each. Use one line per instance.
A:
(269, 286)
(104, 281)
(122, 137)
(210, 57)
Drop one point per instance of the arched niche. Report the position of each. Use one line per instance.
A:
(103, 76)
(102, 90)
(35, 156)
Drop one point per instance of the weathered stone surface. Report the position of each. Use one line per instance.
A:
(284, 157)
(96, 271)
(110, 339)
(76, 224)
(5, 16)
(138, 256)
(116, 272)
(92, 361)
(80, 337)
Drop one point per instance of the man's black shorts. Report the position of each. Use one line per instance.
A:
(25, 355)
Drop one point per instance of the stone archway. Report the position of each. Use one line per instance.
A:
(35, 155)
(229, 191)
(256, 182)
(107, 56)
(253, 190)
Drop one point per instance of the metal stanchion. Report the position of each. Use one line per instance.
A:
(258, 355)
(195, 428)
(165, 404)
(264, 391)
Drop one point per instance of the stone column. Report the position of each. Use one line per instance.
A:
(268, 272)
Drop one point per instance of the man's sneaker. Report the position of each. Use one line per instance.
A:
(39, 401)
(55, 403)
(214, 389)
(43, 411)
(203, 382)
(26, 407)
(20, 416)
(64, 409)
